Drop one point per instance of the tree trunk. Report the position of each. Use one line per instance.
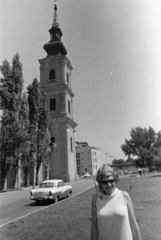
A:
(4, 178)
(4, 169)
(16, 174)
(5, 183)
(15, 179)
(26, 177)
(17, 182)
(48, 170)
(37, 175)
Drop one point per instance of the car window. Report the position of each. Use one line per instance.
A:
(47, 185)
(62, 183)
(59, 184)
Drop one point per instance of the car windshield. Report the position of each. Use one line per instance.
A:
(47, 185)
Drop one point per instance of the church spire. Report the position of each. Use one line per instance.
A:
(55, 18)
(55, 46)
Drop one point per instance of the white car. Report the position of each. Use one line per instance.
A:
(51, 190)
(86, 175)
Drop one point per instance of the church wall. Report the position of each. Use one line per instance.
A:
(68, 98)
(58, 65)
(62, 164)
(71, 156)
(55, 161)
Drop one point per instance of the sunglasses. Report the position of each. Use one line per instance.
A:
(109, 181)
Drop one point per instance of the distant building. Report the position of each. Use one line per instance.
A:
(89, 159)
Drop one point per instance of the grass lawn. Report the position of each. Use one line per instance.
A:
(71, 219)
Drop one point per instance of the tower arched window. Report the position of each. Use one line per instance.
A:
(71, 144)
(67, 78)
(52, 74)
(68, 106)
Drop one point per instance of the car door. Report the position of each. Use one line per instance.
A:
(59, 188)
(65, 190)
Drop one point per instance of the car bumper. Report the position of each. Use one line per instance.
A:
(41, 198)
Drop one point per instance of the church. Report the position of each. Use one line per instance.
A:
(55, 81)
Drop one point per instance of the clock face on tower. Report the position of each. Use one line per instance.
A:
(51, 62)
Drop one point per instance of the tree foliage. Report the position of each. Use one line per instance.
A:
(10, 94)
(11, 84)
(24, 138)
(24, 149)
(142, 144)
(38, 118)
(118, 161)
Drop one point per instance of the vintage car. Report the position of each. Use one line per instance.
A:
(53, 190)
(86, 175)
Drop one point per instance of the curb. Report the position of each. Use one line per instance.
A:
(14, 191)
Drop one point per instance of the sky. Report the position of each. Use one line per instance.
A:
(114, 47)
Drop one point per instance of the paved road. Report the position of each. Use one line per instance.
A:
(16, 204)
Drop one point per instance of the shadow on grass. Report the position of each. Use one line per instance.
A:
(155, 176)
(42, 203)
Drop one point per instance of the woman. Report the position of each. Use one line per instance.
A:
(112, 210)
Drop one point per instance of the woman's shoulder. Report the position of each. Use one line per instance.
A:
(126, 196)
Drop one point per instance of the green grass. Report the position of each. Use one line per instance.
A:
(71, 219)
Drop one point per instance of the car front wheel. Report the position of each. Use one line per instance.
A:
(37, 202)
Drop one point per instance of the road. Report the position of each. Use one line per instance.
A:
(17, 204)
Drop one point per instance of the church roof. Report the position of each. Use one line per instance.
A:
(55, 46)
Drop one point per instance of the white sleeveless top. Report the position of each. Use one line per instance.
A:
(112, 214)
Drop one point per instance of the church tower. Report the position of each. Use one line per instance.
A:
(55, 81)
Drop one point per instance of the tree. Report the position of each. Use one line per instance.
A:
(24, 139)
(130, 160)
(10, 94)
(141, 144)
(33, 101)
(118, 161)
(38, 118)
(43, 137)
(4, 146)
(25, 143)
(47, 151)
